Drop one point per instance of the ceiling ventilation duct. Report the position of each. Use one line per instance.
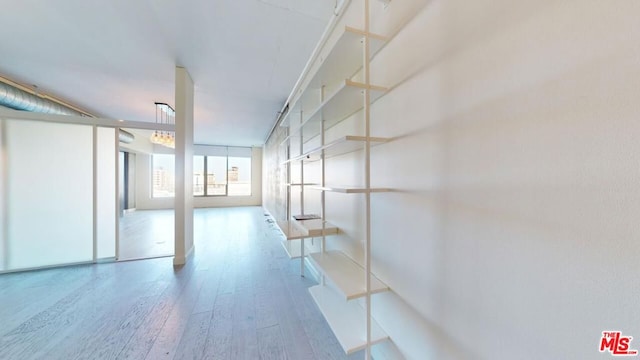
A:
(126, 137)
(17, 99)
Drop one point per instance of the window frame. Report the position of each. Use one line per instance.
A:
(152, 177)
(205, 158)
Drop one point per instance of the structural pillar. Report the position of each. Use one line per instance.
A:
(184, 167)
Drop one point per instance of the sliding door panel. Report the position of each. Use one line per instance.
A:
(50, 194)
(106, 193)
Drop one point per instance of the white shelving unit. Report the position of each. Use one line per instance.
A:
(317, 227)
(295, 233)
(348, 321)
(294, 247)
(344, 295)
(340, 146)
(386, 351)
(291, 230)
(345, 274)
(348, 189)
(345, 57)
(342, 62)
(346, 101)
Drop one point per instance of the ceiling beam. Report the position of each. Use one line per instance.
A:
(8, 114)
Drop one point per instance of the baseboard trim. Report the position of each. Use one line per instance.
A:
(312, 270)
(47, 267)
(179, 261)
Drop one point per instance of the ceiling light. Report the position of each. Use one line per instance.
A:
(164, 115)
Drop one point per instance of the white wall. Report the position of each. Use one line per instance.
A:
(511, 229)
(144, 201)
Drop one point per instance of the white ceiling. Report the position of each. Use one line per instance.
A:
(116, 58)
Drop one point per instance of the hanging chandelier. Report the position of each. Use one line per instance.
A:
(164, 115)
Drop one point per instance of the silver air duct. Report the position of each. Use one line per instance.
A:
(17, 99)
(126, 137)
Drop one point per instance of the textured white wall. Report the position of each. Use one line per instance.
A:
(512, 232)
(517, 163)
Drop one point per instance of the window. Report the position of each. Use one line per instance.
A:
(216, 175)
(217, 171)
(163, 176)
(227, 169)
(239, 171)
(239, 176)
(198, 175)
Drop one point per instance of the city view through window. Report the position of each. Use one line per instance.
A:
(212, 175)
(163, 175)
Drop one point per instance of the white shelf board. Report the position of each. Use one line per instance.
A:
(347, 320)
(345, 101)
(342, 145)
(348, 189)
(301, 184)
(314, 228)
(290, 138)
(292, 114)
(291, 231)
(292, 247)
(342, 62)
(346, 274)
(386, 351)
(345, 57)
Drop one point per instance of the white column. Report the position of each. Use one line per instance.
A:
(184, 167)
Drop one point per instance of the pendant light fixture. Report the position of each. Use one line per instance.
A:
(164, 115)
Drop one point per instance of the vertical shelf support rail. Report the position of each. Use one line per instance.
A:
(322, 181)
(367, 118)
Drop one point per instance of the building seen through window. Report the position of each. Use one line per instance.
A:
(163, 175)
(239, 176)
(213, 175)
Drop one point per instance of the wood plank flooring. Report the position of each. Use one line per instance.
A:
(145, 234)
(239, 298)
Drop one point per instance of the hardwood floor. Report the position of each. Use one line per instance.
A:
(239, 298)
(146, 233)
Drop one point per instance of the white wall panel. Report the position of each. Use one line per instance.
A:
(106, 194)
(50, 182)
